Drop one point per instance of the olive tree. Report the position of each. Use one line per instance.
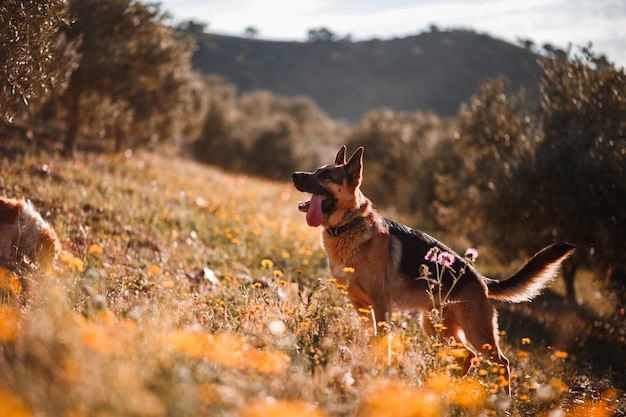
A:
(129, 57)
(31, 53)
(553, 168)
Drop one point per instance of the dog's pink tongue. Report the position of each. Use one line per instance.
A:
(314, 215)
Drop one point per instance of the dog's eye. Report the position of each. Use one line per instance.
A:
(325, 175)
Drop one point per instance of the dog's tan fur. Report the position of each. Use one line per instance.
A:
(25, 234)
(383, 257)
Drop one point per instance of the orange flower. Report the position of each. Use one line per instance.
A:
(154, 269)
(12, 405)
(168, 284)
(559, 354)
(397, 399)
(74, 263)
(9, 320)
(228, 350)
(464, 392)
(10, 281)
(95, 249)
(105, 333)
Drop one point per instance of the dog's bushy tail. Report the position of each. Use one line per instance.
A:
(534, 276)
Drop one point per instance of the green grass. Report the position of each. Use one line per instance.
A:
(183, 291)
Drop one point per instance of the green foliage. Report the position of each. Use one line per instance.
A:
(497, 130)
(264, 134)
(583, 104)
(193, 26)
(251, 32)
(399, 147)
(553, 167)
(498, 135)
(31, 54)
(129, 57)
(322, 34)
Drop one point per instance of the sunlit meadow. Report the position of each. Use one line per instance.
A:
(183, 291)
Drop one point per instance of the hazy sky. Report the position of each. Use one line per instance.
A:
(560, 22)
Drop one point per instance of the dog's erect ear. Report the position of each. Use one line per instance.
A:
(340, 159)
(355, 165)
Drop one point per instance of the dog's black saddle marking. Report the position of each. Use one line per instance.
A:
(415, 245)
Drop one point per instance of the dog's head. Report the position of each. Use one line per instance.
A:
(335, 187)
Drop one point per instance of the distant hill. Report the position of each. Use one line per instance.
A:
(434, 71)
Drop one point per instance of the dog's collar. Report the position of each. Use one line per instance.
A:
(336, 231)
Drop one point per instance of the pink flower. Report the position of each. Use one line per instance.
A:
(431, 255)
(471, 254)
(445, 259)
(440, 257)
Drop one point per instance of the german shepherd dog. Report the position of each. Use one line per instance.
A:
(381, 262)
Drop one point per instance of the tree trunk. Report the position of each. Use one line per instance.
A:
(120, 138)
(569, 273)
(72, 105)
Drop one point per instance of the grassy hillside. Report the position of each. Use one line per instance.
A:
(430, 72)
(183, 291)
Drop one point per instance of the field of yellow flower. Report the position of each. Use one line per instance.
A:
(184, 291)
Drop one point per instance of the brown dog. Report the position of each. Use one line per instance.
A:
(24, 233)
(382, 261)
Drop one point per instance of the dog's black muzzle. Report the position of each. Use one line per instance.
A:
(307, 183)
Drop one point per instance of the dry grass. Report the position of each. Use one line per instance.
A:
(183, 291)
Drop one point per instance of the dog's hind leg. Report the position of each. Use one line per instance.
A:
(450, 330)
(480, 325)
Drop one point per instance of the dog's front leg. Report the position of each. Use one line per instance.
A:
(381, 314)
(376, 313)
